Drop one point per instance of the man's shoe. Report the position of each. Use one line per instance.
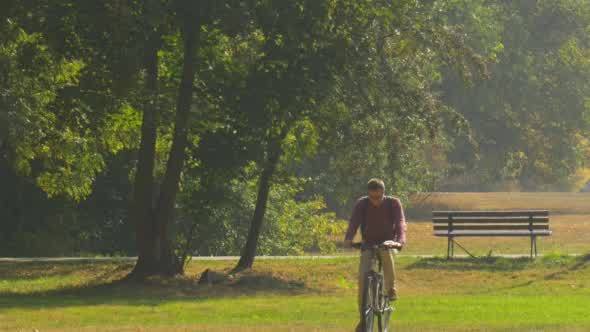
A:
(392, 296)
(359, 327)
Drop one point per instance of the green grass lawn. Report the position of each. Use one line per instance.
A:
(496, 294)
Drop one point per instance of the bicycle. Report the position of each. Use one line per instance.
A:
(374, 302)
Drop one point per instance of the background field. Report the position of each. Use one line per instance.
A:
(569, 220)
(487, 294)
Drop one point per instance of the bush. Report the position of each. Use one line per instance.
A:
(220, 219)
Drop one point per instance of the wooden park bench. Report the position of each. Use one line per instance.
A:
(452, 224)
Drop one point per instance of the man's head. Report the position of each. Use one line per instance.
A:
(376, 189)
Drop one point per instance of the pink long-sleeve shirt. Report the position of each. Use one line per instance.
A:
(385, 222)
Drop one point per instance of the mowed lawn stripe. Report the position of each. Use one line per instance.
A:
(496, 294)
(428, 312)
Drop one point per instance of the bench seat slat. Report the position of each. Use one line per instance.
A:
(493, 233)
(523, 220)
(491, 213)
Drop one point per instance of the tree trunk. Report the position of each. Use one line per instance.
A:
(141, 213)
(249, 252)
(152, 217)
(165, 208)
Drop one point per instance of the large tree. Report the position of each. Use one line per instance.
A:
(325, 57)
(305, 45)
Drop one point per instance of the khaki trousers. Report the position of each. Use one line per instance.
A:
(388, 271)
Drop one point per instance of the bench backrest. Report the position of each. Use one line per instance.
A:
(491, 220)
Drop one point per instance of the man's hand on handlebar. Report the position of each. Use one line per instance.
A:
(393, 244)
(386, 244)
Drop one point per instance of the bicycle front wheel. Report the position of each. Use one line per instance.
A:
(368, 301)
(379, 303)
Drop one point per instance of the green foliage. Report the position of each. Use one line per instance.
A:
(122, 132)
(51, 97)
(301, 142)
(293, 227)
(527, 118)
(413, 92)
(61, 159)
(383, 118)
(219, 226)
(36, 225)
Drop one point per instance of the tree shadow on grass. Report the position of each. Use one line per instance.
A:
(267, 282)
(579, 263)
(110, 287)
(567, 264)
(491, 264)
(12, 271)
(500, 264)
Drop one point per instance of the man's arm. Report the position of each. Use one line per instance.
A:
(353, 223)
(400, 222)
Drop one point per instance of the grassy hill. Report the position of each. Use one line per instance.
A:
(550, 293)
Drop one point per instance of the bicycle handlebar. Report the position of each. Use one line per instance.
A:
(360, 245)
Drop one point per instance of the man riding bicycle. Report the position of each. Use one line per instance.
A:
(382, 221)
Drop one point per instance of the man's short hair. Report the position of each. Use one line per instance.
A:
(375, 184)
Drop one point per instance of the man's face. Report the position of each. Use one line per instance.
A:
(376, 195)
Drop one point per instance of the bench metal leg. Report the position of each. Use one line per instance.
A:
(533, 246)
(450, 247)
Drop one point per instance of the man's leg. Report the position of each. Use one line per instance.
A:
(364, 267)
(389, 271)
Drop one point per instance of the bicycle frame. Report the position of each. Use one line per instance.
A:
(373, 288)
